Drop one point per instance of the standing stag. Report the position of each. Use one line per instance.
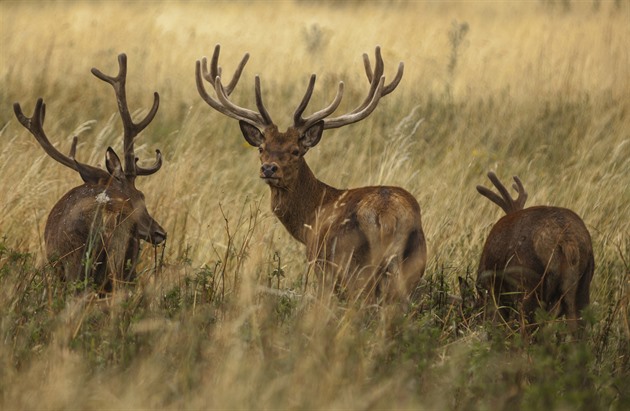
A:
(535, 257)
(93, 231)
(363, 240)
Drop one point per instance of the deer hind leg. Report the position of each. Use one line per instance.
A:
(326, 284)
(68, 266)
(569, 307)
(584, 286)
(569, 298)
(570, 282)
(401, 268)
(414, 260)
(330, 266)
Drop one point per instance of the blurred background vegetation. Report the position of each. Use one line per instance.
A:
(535, 89)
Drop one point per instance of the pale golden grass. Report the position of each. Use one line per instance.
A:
(535, 92)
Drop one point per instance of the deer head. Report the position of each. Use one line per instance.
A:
(535, 257)
(365, 235)
(107, 214)
(281, 153)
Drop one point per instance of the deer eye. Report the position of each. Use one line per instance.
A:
(260, 149)
(295, 152)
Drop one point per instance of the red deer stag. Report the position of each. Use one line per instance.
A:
(365, 240)
(535, 257)
(93, 231)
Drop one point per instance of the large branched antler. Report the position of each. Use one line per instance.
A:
(505, 201)
(222, 103)
(262, 119)
(35, 125)
(215, 70)
(377, 90)
(305, 123)
(131, 129)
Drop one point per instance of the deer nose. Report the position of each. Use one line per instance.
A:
(158, 236)
(268, 169)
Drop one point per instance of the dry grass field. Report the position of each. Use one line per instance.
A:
(220, 317)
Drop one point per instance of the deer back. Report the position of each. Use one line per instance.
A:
(539, 238)
(540, 256)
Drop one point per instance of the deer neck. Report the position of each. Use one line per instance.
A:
(296, 206)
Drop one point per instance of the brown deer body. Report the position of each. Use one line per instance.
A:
(364, 240)
(93, 231)
(535, 257)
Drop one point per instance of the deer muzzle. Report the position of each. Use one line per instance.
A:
(158, 234)
(268, 170)
(152, 232)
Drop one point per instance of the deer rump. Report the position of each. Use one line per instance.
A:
(538, 257)
(369, 242)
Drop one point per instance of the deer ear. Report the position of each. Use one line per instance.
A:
(312, 135)
(251, 133)
(91, 175)
(112, 162)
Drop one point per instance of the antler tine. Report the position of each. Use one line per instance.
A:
(297, 115)
(131, 129)
(205, 73)
(259, 103)
(522, 194)
(379, 69)
(73, 148)
(204, 94)
(377, 90)
(215, 70)
(370, 75)
(237, 112)
(222, 103)
(209, 99)
(505, 201)
(237, 74)
(35, 125)
(305, 123)
(150, 115)
(142, 171)
(391, 86)
(492, 196)
(355, 115)
(368, 67)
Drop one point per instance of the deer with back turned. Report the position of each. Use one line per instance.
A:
(535, 257)
(93, 233)
(363, 241)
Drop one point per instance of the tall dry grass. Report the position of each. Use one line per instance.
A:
(535, 89)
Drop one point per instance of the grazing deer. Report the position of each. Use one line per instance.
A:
(93, 231)
(365, 239)
(535, 257)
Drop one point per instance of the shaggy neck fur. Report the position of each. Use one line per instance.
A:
(296, 206)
